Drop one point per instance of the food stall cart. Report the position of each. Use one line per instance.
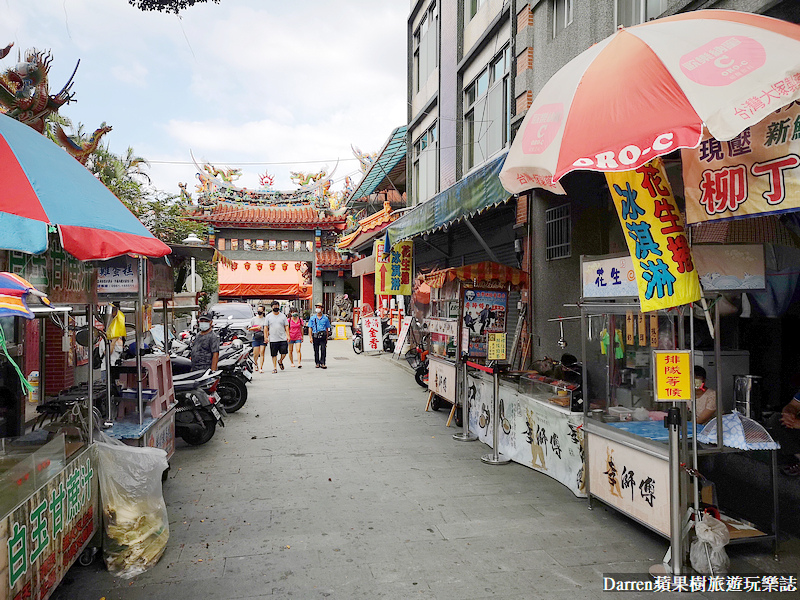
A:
(628, 458)
(467, 304)
(144, 414)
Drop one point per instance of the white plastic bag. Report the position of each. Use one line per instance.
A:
(135, 520)
(707, 553)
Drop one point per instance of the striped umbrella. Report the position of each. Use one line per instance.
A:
(41, 186)
(14, 292)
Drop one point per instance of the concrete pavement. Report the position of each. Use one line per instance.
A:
(336, 484)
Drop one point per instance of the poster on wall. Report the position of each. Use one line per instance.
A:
(754, 173)
(632, 481)
(482, 312)
(545, 438)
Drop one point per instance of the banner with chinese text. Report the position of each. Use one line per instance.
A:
(653, 227)
(372, 331)
(754, 173)
(393, 270)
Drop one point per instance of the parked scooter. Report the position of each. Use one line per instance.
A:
(197, 413)
(388, 341)
(236, 370)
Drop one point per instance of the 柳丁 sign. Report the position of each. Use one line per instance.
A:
(674, 375)
(393, 269)
(754, 173)
(371, 328)
(654, 232)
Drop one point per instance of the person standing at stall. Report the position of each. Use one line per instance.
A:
(205, 346)
(787, 434)
(295, 337)
(259, 344)
(704, 397)
(277, 328)
(319, 326)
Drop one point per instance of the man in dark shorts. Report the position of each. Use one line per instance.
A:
(205, 347)
(276, 329)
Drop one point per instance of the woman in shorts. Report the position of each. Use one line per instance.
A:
(259, 350)
(295, 337)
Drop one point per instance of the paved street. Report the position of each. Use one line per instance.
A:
(337, 484)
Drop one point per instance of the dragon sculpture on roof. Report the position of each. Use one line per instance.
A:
(25, 91)
(80, 151)
(366, 159)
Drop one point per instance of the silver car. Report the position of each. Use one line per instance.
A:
(235, 314)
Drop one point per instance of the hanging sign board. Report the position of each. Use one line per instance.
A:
(653, 227)
(393, 270)
(674, 375)
(609, 278)
(754, 173)
(118, 276)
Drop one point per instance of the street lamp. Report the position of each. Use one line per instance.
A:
(193, 240)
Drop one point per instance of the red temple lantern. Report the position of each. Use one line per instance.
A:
(319, 272)
(271, 266)
(285, 266)
(297, 266)
(247, 266)
(259, 266)
(341, 273)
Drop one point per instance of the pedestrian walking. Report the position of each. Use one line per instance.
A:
(276, 329)
(319, 326)
(259, 343)
(205, 347)
(295, 337)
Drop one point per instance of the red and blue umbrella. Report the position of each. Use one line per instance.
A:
(14, 292)
(43, 186)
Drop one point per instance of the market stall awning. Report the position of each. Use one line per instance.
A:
(475, 193)
(380, 175)
(482, 272)
(41, 186)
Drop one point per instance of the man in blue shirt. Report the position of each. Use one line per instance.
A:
(318, 328)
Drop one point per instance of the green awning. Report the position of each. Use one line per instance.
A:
(475, 193)
(378, 175)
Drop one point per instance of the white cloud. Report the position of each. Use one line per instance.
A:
(242, 81)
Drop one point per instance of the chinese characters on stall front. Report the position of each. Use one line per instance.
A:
(49, 530)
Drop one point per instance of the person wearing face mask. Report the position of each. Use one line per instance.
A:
(319, 326)
(205, 347)
(259, 345)
(295, 337)
(705, 398)
(277, 328)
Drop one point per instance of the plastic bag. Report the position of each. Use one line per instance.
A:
(116, 328)
(707, 553)
(135, 521)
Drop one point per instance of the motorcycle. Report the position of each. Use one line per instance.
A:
(417, 359)
(358, 340)
(236, 370)
(197, 413)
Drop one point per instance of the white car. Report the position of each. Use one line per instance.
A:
(235, 314)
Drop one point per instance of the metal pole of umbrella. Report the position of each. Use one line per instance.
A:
(494, 458)
(139, 325)
(673, 422)
(465, 435)
(695, 481)
(90, 331)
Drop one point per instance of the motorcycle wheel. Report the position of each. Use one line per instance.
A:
(421, 377)
(459, 418)
(436, 403)
(198, 439)
(358, 344)
(232, 393)
(388, 344)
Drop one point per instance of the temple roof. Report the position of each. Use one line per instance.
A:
(228, 214)
(330, 259)
(368, 227)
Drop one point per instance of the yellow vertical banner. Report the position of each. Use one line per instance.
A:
(629, 331)
(653, 228)
(654, 331)
(393, 269)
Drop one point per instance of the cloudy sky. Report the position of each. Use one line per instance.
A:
(289, 83)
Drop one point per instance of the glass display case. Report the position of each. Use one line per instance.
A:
(26, 465)
(549, 390)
